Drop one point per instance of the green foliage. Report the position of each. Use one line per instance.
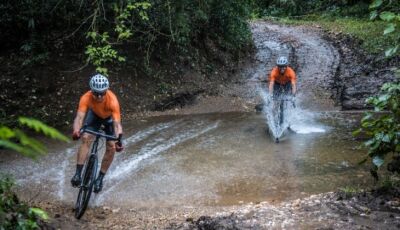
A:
(368, 32)
(389, 12)
(383, 128)
(231, 18)
(104, 29)
(350, 191)
(15, 139)
(101, 49)
(284, 8)
(15, 214)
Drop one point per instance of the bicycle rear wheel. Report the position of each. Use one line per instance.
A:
(85, 191)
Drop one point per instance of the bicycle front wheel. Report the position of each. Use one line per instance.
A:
(85, 191)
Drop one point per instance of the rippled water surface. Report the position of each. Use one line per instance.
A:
(215, 159)
(225, 158)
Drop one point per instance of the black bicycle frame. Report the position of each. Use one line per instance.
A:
(85, 189)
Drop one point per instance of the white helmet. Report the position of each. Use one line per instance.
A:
(99, 83)
(282, 61)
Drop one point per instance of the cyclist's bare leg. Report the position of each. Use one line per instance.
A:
(105, 164)
(84, 148)
(81, 157)
(108, 156)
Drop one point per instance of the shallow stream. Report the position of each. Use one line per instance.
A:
(223, 158)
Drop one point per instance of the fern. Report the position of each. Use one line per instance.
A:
(40, 127)
(17, 140)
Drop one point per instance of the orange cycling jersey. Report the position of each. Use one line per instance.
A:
(109, 106)
(284, 78)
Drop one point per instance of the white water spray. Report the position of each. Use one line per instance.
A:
(150, 150)
(276, 124)
(300, 121)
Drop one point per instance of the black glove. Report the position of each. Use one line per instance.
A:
(118, 145)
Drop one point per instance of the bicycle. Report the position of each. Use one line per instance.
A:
(89, 173)
(281, 105)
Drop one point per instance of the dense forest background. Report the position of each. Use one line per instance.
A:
(152, 50)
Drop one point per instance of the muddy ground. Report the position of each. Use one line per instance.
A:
(341, 84)
(377, 209)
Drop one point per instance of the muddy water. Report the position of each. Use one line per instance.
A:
(225, 158)
(215, 159)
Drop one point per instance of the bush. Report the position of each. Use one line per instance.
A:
(104, 28)
(15, 214)
(383, 129)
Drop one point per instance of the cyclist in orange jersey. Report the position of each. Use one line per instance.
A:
(282, 80)
(99, 106)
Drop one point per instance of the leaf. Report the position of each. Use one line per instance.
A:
(369, 142)
(375, 4)
(366, 117)
(386, 138)
(31, 143)
(378, 161)
(389, 29)
(356, 132)
(383, 97)
(391, 51)
(26, 151)
(39, 212)
(387, 16)
(373, 15)
(6, 133)
(39, 126)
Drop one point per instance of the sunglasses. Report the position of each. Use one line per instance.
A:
(96, 94)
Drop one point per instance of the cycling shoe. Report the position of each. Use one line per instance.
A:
(98, 185)
(76, 180)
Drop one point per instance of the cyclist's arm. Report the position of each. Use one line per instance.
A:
(293, 79)
(116, 115)
(271, 86)
(117, 128)
(78, 121)
(272, 77)
(294, 87)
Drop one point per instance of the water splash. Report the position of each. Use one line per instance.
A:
(151, 149)
(158, 145)
(62, 179)
(277, 125)
(300, 121)
(143, 134)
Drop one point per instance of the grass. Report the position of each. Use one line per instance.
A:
(370, 33)
(350, 190)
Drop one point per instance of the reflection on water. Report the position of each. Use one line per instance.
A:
(216, 159)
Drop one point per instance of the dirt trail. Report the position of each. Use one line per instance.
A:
(316, 62)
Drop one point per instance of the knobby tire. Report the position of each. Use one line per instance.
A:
(85, 191)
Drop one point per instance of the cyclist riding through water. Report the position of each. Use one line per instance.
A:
(99, 106)
(282, 79)
(282, 88)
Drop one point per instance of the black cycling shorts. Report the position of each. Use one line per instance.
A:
(282, 89)
(95, 123)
